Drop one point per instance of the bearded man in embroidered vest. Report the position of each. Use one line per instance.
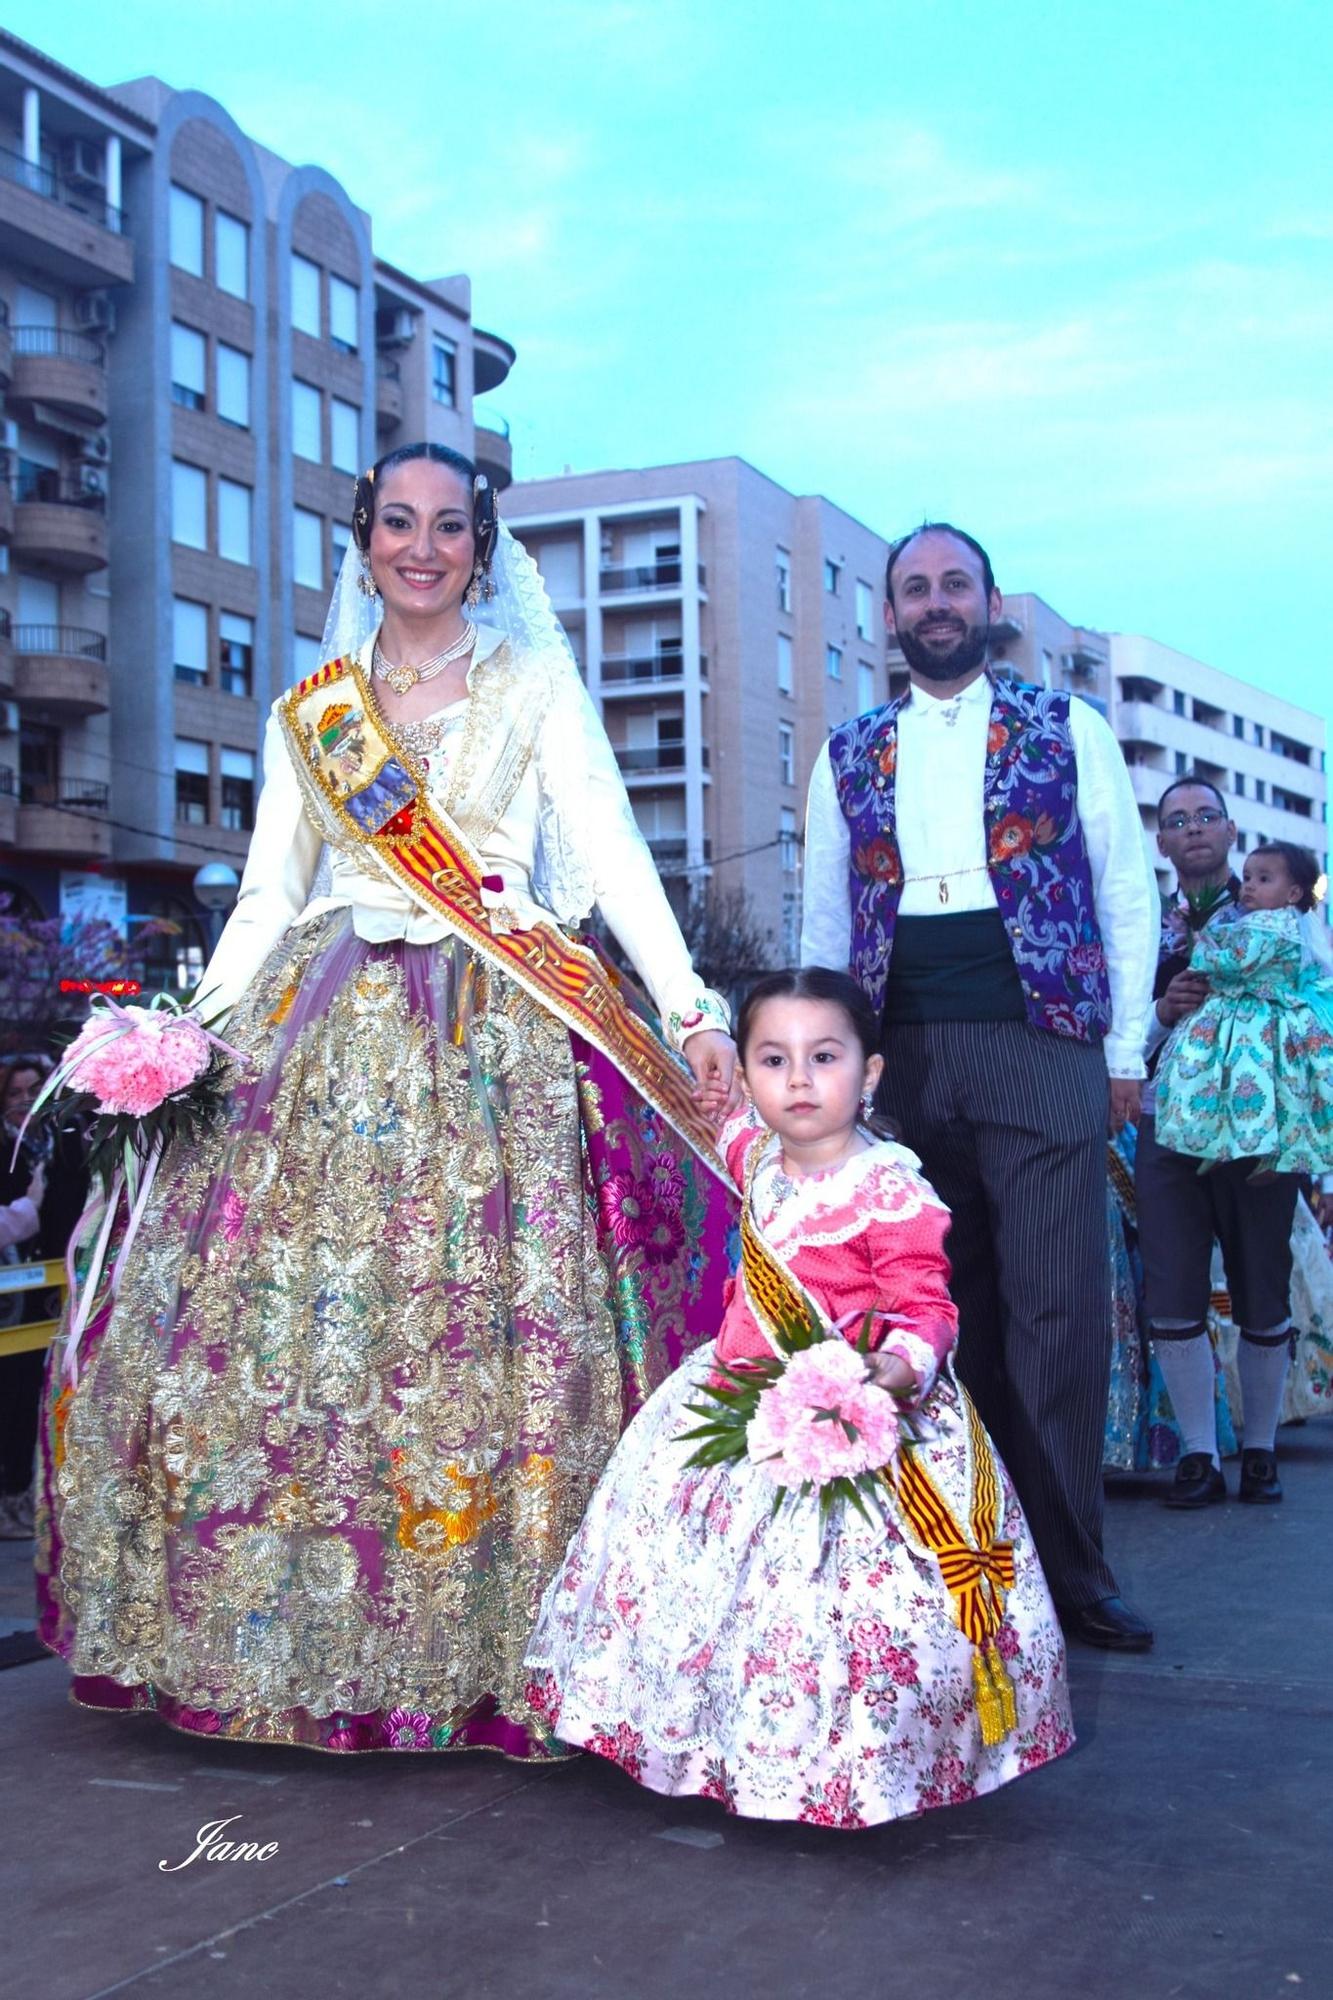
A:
(974, 854)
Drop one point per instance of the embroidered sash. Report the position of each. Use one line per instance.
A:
(369, 798)
(978, 1570)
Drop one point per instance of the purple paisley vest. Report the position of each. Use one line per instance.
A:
(1037, 856)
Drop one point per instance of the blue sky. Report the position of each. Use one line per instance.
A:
(1062, 272)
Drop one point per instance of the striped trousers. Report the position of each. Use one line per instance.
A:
(1010, 1125)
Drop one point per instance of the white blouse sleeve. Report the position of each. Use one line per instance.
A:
(1124, 891)
(826, 911)
(572, 748)
(279, 869)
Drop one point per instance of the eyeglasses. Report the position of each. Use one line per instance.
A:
(1177, 822)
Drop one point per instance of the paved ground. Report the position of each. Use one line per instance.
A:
(1183, 1852)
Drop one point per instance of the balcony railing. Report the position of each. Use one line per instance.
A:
(73, 641)
(647, 576)
(487, 419)
(41, 180)
(43, 483)
(388, 368)
(647, 666)
(65, 795)
(656, 757)
(61, 342)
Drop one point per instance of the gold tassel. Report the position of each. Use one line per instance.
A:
(997, 1710)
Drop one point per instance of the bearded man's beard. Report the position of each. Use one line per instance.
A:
(954, 663)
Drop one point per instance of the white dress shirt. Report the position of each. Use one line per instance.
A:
(941, 765)
(285, 851)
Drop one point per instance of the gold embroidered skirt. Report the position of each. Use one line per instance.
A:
(372, 1350)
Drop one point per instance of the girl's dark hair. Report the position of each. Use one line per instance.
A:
(817, 982)
(1300, 864)
(485, 521)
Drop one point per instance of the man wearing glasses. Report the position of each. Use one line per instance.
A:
(1181, 1210)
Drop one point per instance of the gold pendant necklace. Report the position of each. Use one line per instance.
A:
(402, 678)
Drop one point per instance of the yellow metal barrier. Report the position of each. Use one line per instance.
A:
(31, 1278)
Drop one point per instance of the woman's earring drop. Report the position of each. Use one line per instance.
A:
(365, 582)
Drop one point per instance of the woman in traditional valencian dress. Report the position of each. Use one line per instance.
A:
(378, 1335)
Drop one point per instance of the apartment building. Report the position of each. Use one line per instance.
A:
(723, 626)
(199, 348)
(1267, 756)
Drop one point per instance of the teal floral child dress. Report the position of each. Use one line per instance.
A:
(1249, 1075)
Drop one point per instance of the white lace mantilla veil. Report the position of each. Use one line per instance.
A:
(573, 740)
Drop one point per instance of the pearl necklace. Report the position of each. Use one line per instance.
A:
(401, 678)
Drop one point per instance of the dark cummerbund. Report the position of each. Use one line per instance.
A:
(953, 968)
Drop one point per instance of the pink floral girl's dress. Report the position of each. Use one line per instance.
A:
(1249, 1075)
(788, 1666)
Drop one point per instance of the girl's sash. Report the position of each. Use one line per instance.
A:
(368, 798)
(977, 1568)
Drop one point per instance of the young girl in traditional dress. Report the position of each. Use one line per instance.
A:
(795, 1663)
(1249, 1074)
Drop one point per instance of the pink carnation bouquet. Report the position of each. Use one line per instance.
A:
(142, 1077)
(809, 1418)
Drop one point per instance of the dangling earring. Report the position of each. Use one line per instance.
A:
(482, 587)
(868, 1103)
(365, 582)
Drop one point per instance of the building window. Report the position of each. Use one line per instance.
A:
(1240, 784)
(832, 571)
(189, 643)
(231, 254)
(233, 386)
(308, 548)
(236, 653)
(1238, 726)
(344, 315)
(833, 662)
(307, 425)
(305, 296)
(235, 533)
(1259, 734)
(189, 505)
(1260, 790)
(784, 579)
(787, 839)
(238, 790)
(191, 782)
(189, 362)
(865, 611)
(786, 753)
(345, 436)
(865, 686)
(443, 371)
(1182, 762)
(1178, 702)
(305, 655)
(784, 664)
(340, 537)
(186, 231)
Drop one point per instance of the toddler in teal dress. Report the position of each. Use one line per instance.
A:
(1249, 1075)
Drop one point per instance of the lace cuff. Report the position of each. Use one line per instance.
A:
(704, 1010)
(919, 1355)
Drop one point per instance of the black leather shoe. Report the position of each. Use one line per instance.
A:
(1110, 1624)
(1259, 1483)
(1197, 1483)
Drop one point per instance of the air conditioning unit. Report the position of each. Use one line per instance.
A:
(97, 448)
(83, 162)
(95, 311)
(394, 326)
(92, 482)
(1078, 665)
(9, 718)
